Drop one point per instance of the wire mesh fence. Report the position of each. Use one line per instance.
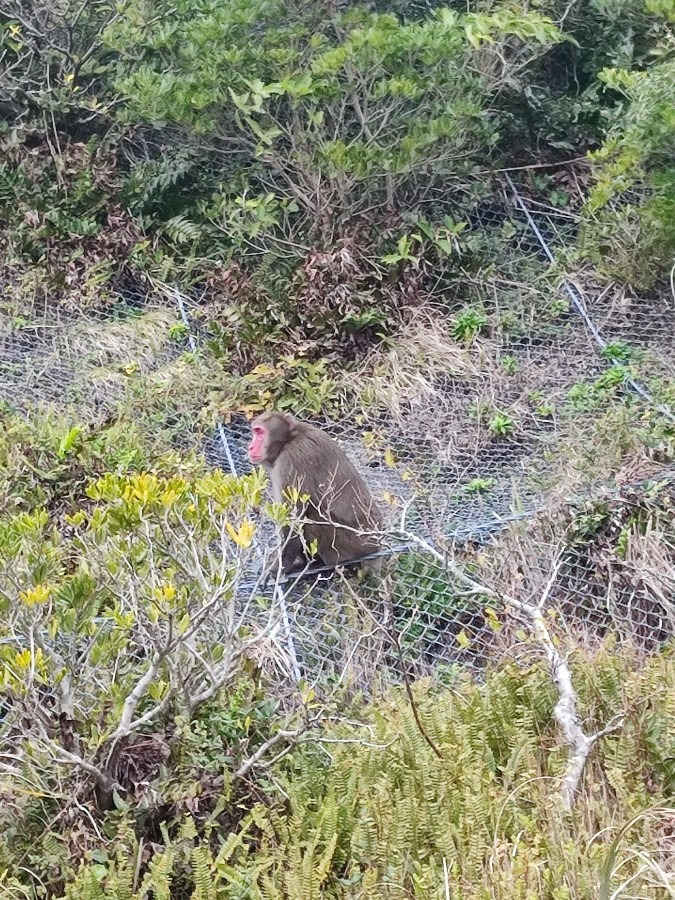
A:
(473, 447)
(605, 570)
(81, 359)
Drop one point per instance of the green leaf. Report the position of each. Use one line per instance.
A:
(68, 441)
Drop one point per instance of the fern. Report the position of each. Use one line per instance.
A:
(182, 230)
(152, 179)
(91, 888)
(157, 882)
(205, 888)
(481, 819)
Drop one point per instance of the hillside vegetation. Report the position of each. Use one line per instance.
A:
(211, 208)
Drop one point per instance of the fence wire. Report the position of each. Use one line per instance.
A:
(479, 444)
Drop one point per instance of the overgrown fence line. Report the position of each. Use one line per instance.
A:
(473, 453)
(439, 626)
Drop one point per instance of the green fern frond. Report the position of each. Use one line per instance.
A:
(182, 230)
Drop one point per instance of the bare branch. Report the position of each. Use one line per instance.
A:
(102, 779)
(565, 713)
(246, 767)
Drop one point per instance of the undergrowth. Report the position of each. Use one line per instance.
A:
(368, 810)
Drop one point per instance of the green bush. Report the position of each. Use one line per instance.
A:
(381, 815)
(119, 623)
(629, 225)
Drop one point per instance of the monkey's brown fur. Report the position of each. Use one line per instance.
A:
(340, 511)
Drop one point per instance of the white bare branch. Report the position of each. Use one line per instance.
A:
(566, 712)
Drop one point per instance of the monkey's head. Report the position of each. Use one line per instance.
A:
(271, 432)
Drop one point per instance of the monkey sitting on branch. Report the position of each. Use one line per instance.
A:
(337, 511)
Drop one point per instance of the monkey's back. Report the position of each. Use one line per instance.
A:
(318, 467)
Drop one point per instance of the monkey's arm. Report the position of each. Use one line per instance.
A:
(290, 552)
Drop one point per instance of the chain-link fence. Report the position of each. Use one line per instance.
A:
(480, 423)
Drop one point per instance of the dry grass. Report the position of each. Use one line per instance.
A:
(651, 866)
(138, 341)
(411, 373)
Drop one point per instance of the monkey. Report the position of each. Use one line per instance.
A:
(342, 517)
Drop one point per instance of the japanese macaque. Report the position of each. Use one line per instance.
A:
(339, 514)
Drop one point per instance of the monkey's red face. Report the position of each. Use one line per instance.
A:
(257, 448)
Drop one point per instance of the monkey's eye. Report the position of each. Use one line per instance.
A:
(258, 429)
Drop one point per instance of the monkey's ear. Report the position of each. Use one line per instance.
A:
(291, 421)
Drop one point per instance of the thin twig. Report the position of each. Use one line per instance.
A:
(393, 635)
